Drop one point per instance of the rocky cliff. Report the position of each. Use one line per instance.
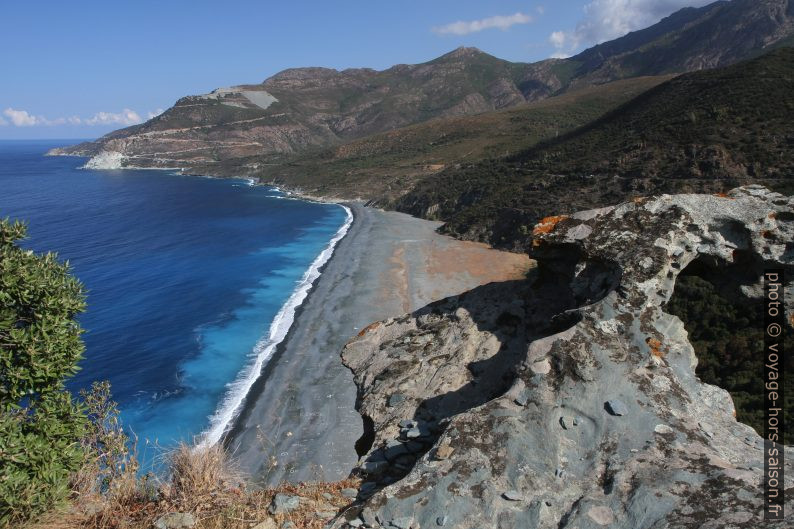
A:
(570, 399)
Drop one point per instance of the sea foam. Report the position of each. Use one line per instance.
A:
(229, 407)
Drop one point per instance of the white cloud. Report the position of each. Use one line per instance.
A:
(540, 9)
(21, 118)
(473, 26)
(609, 19)
(154, 114)
(558, 39)
(125, 117)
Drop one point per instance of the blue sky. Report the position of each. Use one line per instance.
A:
(81, 68)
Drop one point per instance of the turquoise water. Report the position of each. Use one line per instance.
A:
(185, 277)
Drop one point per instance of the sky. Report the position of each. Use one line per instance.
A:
(82, 68)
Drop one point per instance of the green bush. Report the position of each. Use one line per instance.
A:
(41, 427)
(727, 335)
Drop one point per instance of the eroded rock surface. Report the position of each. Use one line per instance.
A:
(570, 400)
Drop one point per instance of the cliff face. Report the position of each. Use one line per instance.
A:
(570, 399)
(304, 108)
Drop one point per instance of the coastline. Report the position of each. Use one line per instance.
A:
(298, 421)
(290, 415)
(228, 409)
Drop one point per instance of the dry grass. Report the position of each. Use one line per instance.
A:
(203, 482)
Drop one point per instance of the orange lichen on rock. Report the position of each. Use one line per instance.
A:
(547, 224)
(639, 200)
(656, 347)
(368, 328)
(722, 195)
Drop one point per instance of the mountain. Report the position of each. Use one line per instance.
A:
(301, 109)
(308, 107)
(384, 166)
(706, 131)
(691, 39)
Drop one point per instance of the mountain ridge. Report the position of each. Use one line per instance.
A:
(318, 107)
(702, 132)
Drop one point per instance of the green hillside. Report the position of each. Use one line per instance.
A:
(702, 132)
(384, 166)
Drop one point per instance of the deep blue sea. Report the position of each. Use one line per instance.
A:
(185, 277)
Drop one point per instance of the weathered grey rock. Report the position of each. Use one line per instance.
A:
(513, 495)
(596, 314)
(375, 467)
(355, 523)
(349, 493)
(662, 429)
(601, 515)
(367, 487)
(412, 433)
(401, 523)
(616, 407)
(288, 525)
(414, 446)
(175, 520)
(442, 520)
(283, 503)
(393, 450)
(368, 517)
(396, 399)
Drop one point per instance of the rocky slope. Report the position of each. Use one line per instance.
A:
(570, 399)
(691, 39)
(304, 108)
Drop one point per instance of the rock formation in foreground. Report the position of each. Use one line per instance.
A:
(570, 400)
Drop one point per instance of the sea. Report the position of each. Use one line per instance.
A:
(191, 282)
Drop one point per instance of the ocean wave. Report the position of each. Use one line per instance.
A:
(229, 407)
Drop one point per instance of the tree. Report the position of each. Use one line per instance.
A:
(41, 426)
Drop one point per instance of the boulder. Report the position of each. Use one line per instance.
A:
(283, 503)
(175, 520)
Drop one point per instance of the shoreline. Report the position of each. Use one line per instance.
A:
(299, 421)
(233, 428)
(233, 402)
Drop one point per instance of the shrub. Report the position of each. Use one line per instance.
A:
(41, 427)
